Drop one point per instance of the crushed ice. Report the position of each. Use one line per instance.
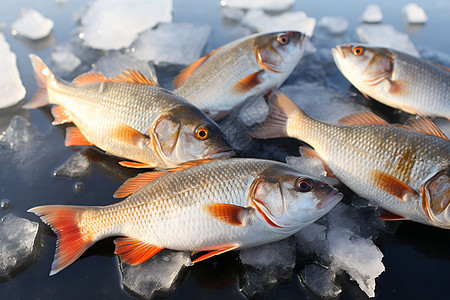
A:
(32, 25)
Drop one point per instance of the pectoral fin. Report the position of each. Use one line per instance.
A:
(228, 213)
(127, 134)
(216, 252)
(133, 251)
(249, 82)
(393, 186)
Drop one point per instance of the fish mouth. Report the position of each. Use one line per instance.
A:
(225, 152)
(330, 200)
(338, 51)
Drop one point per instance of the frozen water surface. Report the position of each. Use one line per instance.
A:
(292, 20)
(415, 14)
(11, 88)
(159, 45)
(155, 277)
(320, 280)
(32, 25)
(17, 245)
(382, 35)
(372, 14)
(269, 5)
(115, 24)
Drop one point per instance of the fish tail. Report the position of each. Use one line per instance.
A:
(281, 111)
(72, 239)
(43, 76)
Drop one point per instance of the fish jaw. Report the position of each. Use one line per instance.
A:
(436, 199)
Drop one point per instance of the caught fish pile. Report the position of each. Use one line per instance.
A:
(201, 199)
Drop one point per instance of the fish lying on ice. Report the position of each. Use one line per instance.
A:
(402, 170)
(397, 79)
(130, 117)
(250, 66)
(218, 206)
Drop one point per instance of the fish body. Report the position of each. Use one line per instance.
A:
(218, 206)
(129, 117)
(402, 170)
(250, 66)
(397, 79)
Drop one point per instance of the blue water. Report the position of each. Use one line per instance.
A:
(416, 257)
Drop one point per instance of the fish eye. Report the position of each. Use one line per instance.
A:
(358, 50)
(202, 133)
(304, 184)
(283, 39)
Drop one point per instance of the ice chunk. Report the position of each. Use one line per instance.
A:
(17, 245)
(372, 14)
(66, 61)
(232, 13)
(32, 25)
(311, 165)
(11, 88)
(311, 239)
(320, 281)
(155, 277)
(334, 105)
(334, 24)
(113, 64)
(293, 20)
(176, 43)
(266, 267)
(78, 166)
(269, 5)
(382, 35)
(414, 14)
(115, 24)
(236, 131)
(255, 111)
(359, 257)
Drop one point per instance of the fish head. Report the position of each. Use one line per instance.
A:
(290, 199)
(436, 198)
(363, 65)
(187, 134)
(279, 52)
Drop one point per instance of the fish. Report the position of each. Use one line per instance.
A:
(242, 69)
(411, 84)
(213, 207)
(130, 117)
(404, 169)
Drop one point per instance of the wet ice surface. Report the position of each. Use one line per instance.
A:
(415, 14)
(320, 280)
(11, 88)
(269, 5)
(383, 35)
(103, 31)
(334, 24)
(372, 14)
(183, 50)
(18, 249)
(32, 24)
(156, 277)
(78, 166)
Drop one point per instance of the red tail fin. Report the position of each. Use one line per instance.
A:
(43, 75)
(71, 243)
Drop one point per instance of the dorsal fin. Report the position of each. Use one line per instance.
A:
(185, 73)
(424, 125)
(90, 77)
(133, 76)
(362, 118)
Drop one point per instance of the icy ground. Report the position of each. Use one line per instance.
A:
(32, 25)
(341, 245)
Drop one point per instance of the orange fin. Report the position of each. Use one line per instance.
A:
(135, 165)
(133, 251)
(72, 240)
(43, 76)
(214, 253)
(228, 213)
(393, 186)
(306, 151)
(133, 184)
(60, 114)
(127, 134)
(391, 217)
(185, 73)
(424, 125)
(280, 107)
(90, 77)
(74, 137)
(396, 86)
(362, 118)
(133, 76)
(249, 82)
